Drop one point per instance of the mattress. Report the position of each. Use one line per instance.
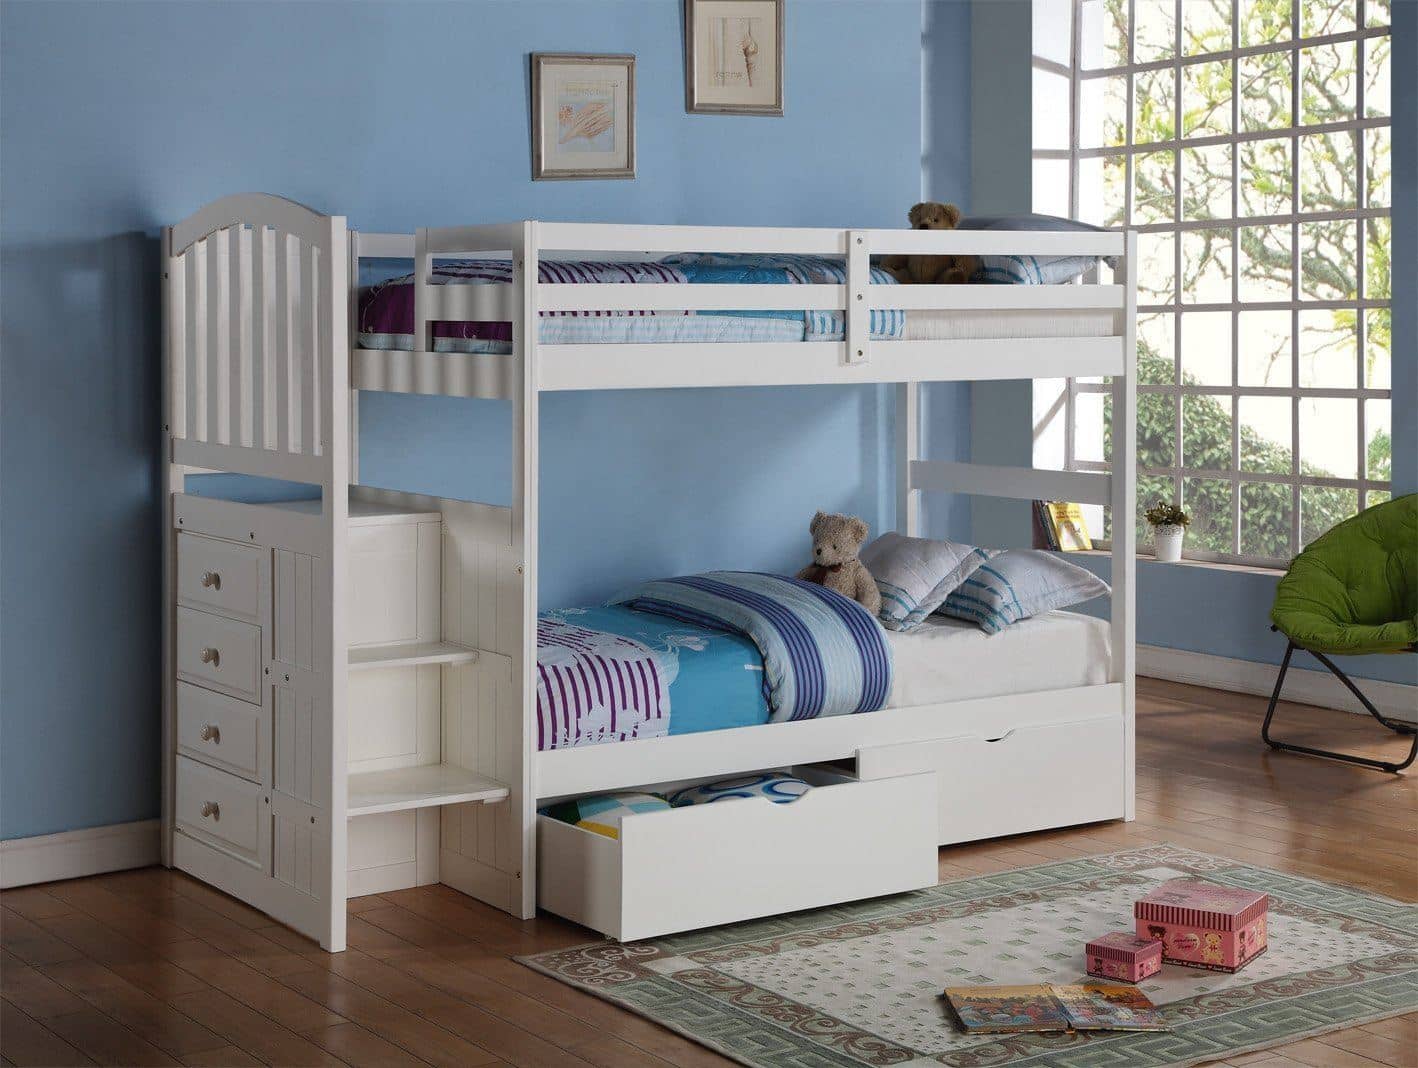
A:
(681, 678)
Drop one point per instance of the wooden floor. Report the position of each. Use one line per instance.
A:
(150, 967)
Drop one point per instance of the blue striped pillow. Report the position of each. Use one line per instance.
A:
(914, 575)
(1018, 584)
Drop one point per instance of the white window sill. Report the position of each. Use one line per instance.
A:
(1218, 565)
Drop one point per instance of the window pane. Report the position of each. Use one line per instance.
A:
(1206, 99)
(1329, 172)
(1378, 83)
(1266, 434)
(1378, 162)
(1206, 348)
(1051, 186)
(1051, 100)
(1102, 115)
(1088, 424)
(1156, 348)
(1266, 188)
(1154, 192)
(1322, 507)
(1105, 33)
(1329, 437)
(1378, 448)
(1156, 276)
(1154, 106)
(1377, 275)
(1156, 34)
(1102, 187)
(1156, 430)
(1053, 29)
(1264, 343)
(1327, 83)
(1329, 349)
(1206, 182)
(1265, 91)
(1206, 433)
(1378, 345)
(1206, 27)
(1264, 21)
(1208, 501)
(1328, 260)
(1266, 263)
(1266, 516)
(1378, 13)
(1206, 266)
(1320, 17)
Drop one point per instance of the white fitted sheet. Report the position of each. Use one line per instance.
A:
(951, 660)
(961, 324)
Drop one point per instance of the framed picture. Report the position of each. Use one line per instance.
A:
(583, 116)
(733, 56)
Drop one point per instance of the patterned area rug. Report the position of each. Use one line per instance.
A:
(860, 984)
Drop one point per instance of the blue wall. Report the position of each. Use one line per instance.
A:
(118, 118)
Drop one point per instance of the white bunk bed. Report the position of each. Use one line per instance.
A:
(349, 683)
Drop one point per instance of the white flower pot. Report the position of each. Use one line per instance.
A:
(1167, 542)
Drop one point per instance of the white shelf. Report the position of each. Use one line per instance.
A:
(409, 654)
(362, 512)
(419, 787)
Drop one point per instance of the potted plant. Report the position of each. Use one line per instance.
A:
(1169, 528)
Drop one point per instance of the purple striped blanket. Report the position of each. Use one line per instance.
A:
(595, 687)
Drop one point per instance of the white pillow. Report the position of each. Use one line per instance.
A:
(1018, 584)
(915, 575)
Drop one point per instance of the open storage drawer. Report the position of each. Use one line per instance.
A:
(690, 867)
(1013, 780)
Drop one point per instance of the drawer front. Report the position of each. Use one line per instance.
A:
(221, 654)
(704, 865)
(223, 731)
(223, 811)
(1021, 780)
(220, 576)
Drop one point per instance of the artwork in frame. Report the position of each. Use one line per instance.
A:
(733, 57)
(583, 116)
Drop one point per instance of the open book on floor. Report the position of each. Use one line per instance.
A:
(1046, 1007)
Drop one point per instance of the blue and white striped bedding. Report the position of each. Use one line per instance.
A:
(823, 654)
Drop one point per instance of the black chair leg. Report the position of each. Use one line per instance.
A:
(1367, 762)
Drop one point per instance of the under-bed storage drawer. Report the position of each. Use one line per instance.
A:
(1019, 780)
(703, 865)
(220, 576)
(223, 811)
(219, 653)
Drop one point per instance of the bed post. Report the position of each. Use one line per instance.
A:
(1124, 600)
(525, 406)
(908, 448)
(172, 480)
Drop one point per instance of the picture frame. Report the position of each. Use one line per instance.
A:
(733, 57)
(583, 116)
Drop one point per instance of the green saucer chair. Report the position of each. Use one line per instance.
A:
(1351, 592)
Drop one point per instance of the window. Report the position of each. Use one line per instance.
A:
(1247, 141)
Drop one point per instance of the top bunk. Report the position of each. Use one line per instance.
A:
(728, 306)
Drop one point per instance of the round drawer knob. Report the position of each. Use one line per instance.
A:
(211, 733)
(212, 656)
(212, 580)
(211, 810)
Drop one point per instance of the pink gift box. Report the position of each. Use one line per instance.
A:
(1123, 955)
(1221, 928)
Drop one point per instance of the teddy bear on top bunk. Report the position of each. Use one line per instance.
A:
(926, 270)
(836, 540)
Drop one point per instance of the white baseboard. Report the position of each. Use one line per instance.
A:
(73, 854)
(1306, 686)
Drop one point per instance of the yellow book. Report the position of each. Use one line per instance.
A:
(1069, 529)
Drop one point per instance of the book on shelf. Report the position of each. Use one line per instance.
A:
(1047, 1007)
(1063, 526)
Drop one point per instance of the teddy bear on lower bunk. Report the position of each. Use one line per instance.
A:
(926, 270)
(836, 540)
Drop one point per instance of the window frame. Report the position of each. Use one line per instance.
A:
(1360, 392)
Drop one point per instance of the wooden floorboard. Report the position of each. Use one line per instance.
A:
(151, 967)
